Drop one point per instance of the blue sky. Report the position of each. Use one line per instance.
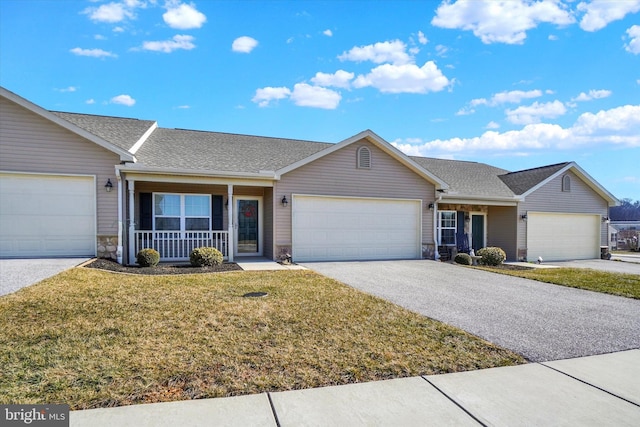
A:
(516, 84)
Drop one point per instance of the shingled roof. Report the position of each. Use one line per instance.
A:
(216, 151)
(467, 178)
(522, 181)
(119, 131)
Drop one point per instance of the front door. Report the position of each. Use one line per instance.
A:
(248, 226)
(477, 232)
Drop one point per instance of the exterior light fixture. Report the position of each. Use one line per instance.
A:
(108, 186)
(605, 219)
(431, 206)
(523, 217)
(284, 201)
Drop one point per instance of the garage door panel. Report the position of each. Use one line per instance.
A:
(47, 215)
(556, 237)
(330, 229)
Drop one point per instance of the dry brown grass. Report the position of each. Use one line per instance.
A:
(90, 338)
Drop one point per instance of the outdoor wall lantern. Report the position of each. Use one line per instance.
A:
(108, 186)
(605, 219)
(523, 217)
(431, 206)
(284, 201)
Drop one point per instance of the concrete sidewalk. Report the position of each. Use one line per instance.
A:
(598, 390)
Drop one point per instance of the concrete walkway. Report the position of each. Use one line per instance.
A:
(598, 390)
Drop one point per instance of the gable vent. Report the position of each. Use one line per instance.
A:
(364, 158)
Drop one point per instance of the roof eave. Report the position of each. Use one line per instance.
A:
(124, 155)
(380, 143)
(197, 172)
(592, 183)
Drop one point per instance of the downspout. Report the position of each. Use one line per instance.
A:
(120, 222)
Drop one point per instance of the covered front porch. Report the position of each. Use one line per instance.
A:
(175, 214)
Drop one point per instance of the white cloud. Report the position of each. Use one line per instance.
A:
(167, 46)
(535, 112)
(123, 100)
(340, 78)
(244, 44)
(593, 94)
(183, 16)
(511, 97)
(110, 13)
(422, 39)
(441, 50)
(390, 51)
(328, 33)
(552, 37)
(407, 78)
(90, 101)
(599, 13)
(68, 89)
(492, 125)
(500, 21)
(305, 95)
(634, 40)
(96, 53)
(618, 126)
(265, 95)
(99, 37)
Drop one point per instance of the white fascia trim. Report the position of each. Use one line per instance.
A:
(124, 155)
(380, 143)
(210, 173)
(134, 149)
(480, 200)
(595, 185)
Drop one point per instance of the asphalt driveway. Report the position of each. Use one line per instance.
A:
(540, 321)
(15, 274)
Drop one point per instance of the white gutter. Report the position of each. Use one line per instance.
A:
(191, 172)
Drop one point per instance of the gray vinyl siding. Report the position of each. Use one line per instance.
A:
(31, 143)
(502, 229)
(550, 198)
(336, 175)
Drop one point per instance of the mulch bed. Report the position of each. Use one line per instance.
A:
(105, 264)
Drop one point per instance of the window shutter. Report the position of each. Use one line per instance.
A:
(146, 211)
(217, 212)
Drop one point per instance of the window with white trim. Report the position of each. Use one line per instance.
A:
(363, 155)
(566, 183)
(181, 212)
(447, 221)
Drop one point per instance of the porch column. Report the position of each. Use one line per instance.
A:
(230, 247)
(132, 225)
(120, 218)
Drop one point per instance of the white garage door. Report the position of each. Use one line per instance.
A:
(340, 228)
(47, 215)
(557, 237)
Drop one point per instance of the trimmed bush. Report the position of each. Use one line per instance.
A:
(463, 259)
(148, 258)
(492, 256)
(205, 257)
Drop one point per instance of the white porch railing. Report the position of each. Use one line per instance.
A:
(177, 245)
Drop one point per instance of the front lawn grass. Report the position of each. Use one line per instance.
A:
(91, 338)
(625, 285)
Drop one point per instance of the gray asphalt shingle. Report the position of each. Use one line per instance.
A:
(521, 181)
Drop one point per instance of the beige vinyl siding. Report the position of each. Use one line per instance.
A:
(551, 198)
(30, 143)
(502, 229)
(336, 175)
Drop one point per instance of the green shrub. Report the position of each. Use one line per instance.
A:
(205, 257)
(148, 258)
(492, 256)
(463, 259)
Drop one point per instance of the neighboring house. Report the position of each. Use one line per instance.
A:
(84, 185)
